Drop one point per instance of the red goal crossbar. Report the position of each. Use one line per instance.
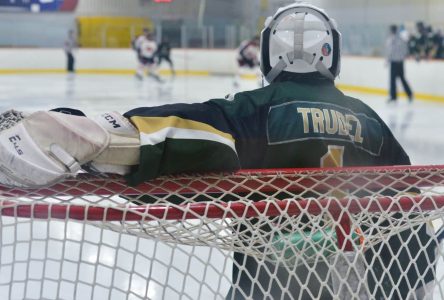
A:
(151, 212)
(264, 181)
(292, 180)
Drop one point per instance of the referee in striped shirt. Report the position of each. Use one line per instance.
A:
(397, 51)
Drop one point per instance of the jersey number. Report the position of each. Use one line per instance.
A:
(334, 157)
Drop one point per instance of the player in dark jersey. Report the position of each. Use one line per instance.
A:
(164, 53)
(298, 120)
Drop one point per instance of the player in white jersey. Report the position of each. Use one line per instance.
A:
(248, 59)
(138, 40)
(146, 48)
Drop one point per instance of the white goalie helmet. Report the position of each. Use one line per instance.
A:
(300, 38)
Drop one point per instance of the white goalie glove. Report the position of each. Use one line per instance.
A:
(46, 147)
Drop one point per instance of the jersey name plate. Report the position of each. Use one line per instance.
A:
(302, 120)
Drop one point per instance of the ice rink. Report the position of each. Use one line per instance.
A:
(418, 126)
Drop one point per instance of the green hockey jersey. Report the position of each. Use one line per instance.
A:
(283, 125)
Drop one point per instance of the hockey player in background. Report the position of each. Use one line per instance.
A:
(70, 46)
(136, 43)
(247, 59)
(146, 49)
(299, 120)
(164, 53)
(396, 53)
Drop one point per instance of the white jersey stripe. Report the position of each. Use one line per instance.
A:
(181, 133)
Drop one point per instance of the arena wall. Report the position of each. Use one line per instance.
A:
(365, 74)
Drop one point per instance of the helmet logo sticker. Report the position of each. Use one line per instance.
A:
(326, 49)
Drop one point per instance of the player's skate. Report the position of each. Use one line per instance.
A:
(138, 76)
(156, 77)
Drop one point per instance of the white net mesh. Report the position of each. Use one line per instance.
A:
(10, 118)
(360, 233)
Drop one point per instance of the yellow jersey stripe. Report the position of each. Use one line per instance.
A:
(149, 125)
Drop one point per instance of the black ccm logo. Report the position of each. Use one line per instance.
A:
(111, 120)
(15, 142)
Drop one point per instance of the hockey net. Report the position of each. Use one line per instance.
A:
(349, 233)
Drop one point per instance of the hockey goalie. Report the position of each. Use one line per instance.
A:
(298, 120)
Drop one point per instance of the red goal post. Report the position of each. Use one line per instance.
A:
(285, 217)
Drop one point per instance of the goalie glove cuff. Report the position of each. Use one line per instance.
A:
(124, 145)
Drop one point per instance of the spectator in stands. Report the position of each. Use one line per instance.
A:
(426, 42)
(403, 33)
(429, 42)
(418, 42)
(438, 45)
(397, 52)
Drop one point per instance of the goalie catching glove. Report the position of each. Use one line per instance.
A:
(46, 147)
